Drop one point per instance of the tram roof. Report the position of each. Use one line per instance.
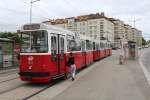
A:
(43, 26)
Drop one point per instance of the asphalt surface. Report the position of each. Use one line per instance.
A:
(106, 80)
(146, 59)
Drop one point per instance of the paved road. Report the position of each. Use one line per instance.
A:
(145, 63)
(146, 59)
(106, 80)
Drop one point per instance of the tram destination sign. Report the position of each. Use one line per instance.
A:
(31, 27)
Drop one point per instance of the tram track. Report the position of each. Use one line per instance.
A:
(8, 76)
(7, 71)
(54, 82)
(11, 73)
(27, 90)
(10, 84)
(8, 80)
(7, 90)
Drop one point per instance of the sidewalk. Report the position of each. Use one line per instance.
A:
(104, 80)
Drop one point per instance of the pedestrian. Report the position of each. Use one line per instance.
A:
(71, 64)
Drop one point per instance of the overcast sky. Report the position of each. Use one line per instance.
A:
(14, 13)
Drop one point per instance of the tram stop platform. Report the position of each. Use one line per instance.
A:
(103, 80)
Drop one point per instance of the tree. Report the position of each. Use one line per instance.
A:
(10, 35)
(143, 41)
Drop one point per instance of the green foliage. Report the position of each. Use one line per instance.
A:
(8, 48)
(148, 42)
(143, 41)
(10, 35)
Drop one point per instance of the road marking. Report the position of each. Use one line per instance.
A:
(147, 74)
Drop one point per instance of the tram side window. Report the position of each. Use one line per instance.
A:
(62, 48)
(83, 45)
(106, 45)
(97, 46)
(101, 45)
(88, 45)
(62, 45)
(53, 45)
(70, 45)
(94, 48)
(73, 45)
(78, 46)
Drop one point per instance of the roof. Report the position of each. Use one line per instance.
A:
(78, 18)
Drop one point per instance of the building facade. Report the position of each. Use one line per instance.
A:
(139, 38)
(128, 32)
(134, 35)
(119, 32)
(96, 26)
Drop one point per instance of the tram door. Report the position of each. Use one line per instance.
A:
(61, 51)
(57, 53)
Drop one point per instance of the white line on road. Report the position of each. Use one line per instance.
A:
(147, 74)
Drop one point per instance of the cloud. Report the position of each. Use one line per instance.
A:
(16, 12)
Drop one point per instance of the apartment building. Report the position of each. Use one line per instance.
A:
(119, 32)
(128, 32)
(139, 38)
(134, 35)
(97, 26)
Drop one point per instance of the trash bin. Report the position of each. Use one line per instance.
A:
(132, 49)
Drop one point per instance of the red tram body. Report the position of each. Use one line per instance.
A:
(45, 49)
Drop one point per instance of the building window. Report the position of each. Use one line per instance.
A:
(101, 22)
(101, 26)
(95, 27)
(90, 32)
(90, 27)
(83, 23)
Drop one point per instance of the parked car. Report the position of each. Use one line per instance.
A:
(139, 47)
(146, 46)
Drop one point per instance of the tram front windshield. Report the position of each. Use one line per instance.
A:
(34, 42)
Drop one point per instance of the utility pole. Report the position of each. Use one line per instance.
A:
(31, 2)
(31, 9)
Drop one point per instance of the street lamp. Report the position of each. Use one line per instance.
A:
(31, 9)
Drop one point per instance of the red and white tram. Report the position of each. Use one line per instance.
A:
(96, 50)
(45, 49)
